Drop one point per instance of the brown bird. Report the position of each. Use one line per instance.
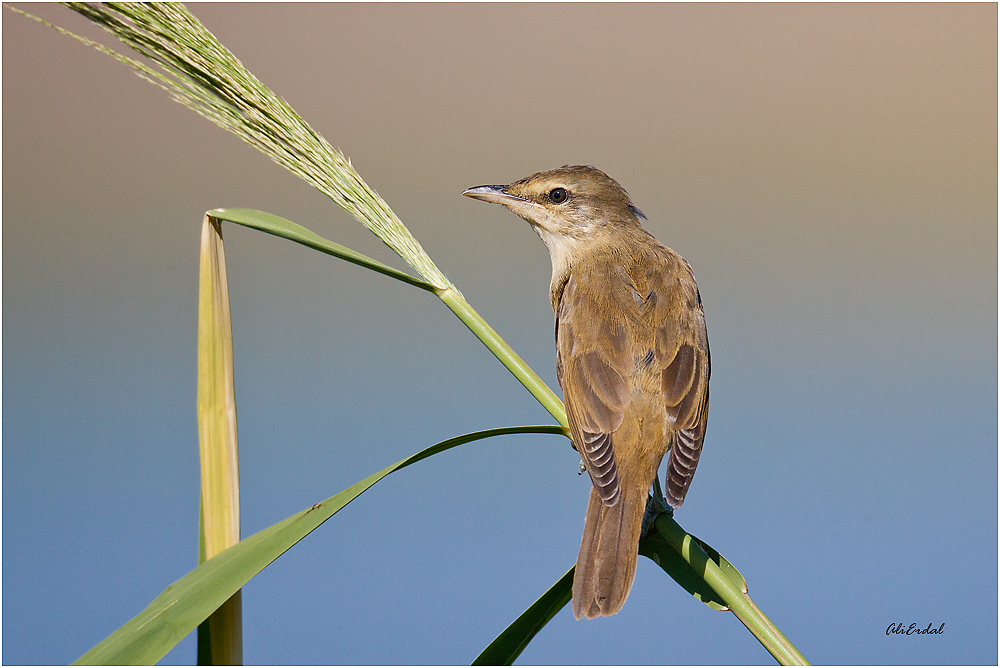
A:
(631, 358)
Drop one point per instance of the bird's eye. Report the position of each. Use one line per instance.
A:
(558, 195)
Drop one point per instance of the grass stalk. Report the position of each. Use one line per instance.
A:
(220, 637)
(735, 597)
(507, 356)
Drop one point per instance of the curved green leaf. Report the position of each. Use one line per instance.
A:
(508, 645)
(712, 579)
(286, 229)
(689, 573)
(148, 636)
(691, 562)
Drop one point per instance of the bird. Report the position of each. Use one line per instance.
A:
(632, 360)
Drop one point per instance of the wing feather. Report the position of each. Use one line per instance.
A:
(590, 369)
(685, 392)
(644, 333)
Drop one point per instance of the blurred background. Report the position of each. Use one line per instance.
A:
(830, 172)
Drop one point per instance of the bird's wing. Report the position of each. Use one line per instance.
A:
(596, 356)
(681, 353)
(593, 359)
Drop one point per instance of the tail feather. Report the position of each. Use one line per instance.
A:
(609, 550)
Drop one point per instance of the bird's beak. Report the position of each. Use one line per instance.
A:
(494, 194)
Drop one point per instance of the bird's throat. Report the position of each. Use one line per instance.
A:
(563, 251)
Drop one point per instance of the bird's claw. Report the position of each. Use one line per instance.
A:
(655, 505)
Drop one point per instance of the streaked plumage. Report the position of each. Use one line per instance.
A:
(631, 357)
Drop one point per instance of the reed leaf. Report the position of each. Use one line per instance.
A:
(220, 637)
(286, 229)
(147, 637)
(511, 642)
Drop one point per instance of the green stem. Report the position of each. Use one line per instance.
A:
(737, 599)
(510, 359)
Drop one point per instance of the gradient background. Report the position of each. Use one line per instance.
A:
(830, 171)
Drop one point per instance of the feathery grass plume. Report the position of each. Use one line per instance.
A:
(205, 76)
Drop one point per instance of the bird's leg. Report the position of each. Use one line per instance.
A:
(655, 505)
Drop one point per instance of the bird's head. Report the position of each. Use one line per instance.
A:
(572, 202)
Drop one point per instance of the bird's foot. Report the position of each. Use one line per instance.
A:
(656, 504)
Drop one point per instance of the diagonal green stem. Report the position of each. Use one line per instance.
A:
(736, 598)
(510, 359)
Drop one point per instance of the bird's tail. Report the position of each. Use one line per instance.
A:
(605, 568)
